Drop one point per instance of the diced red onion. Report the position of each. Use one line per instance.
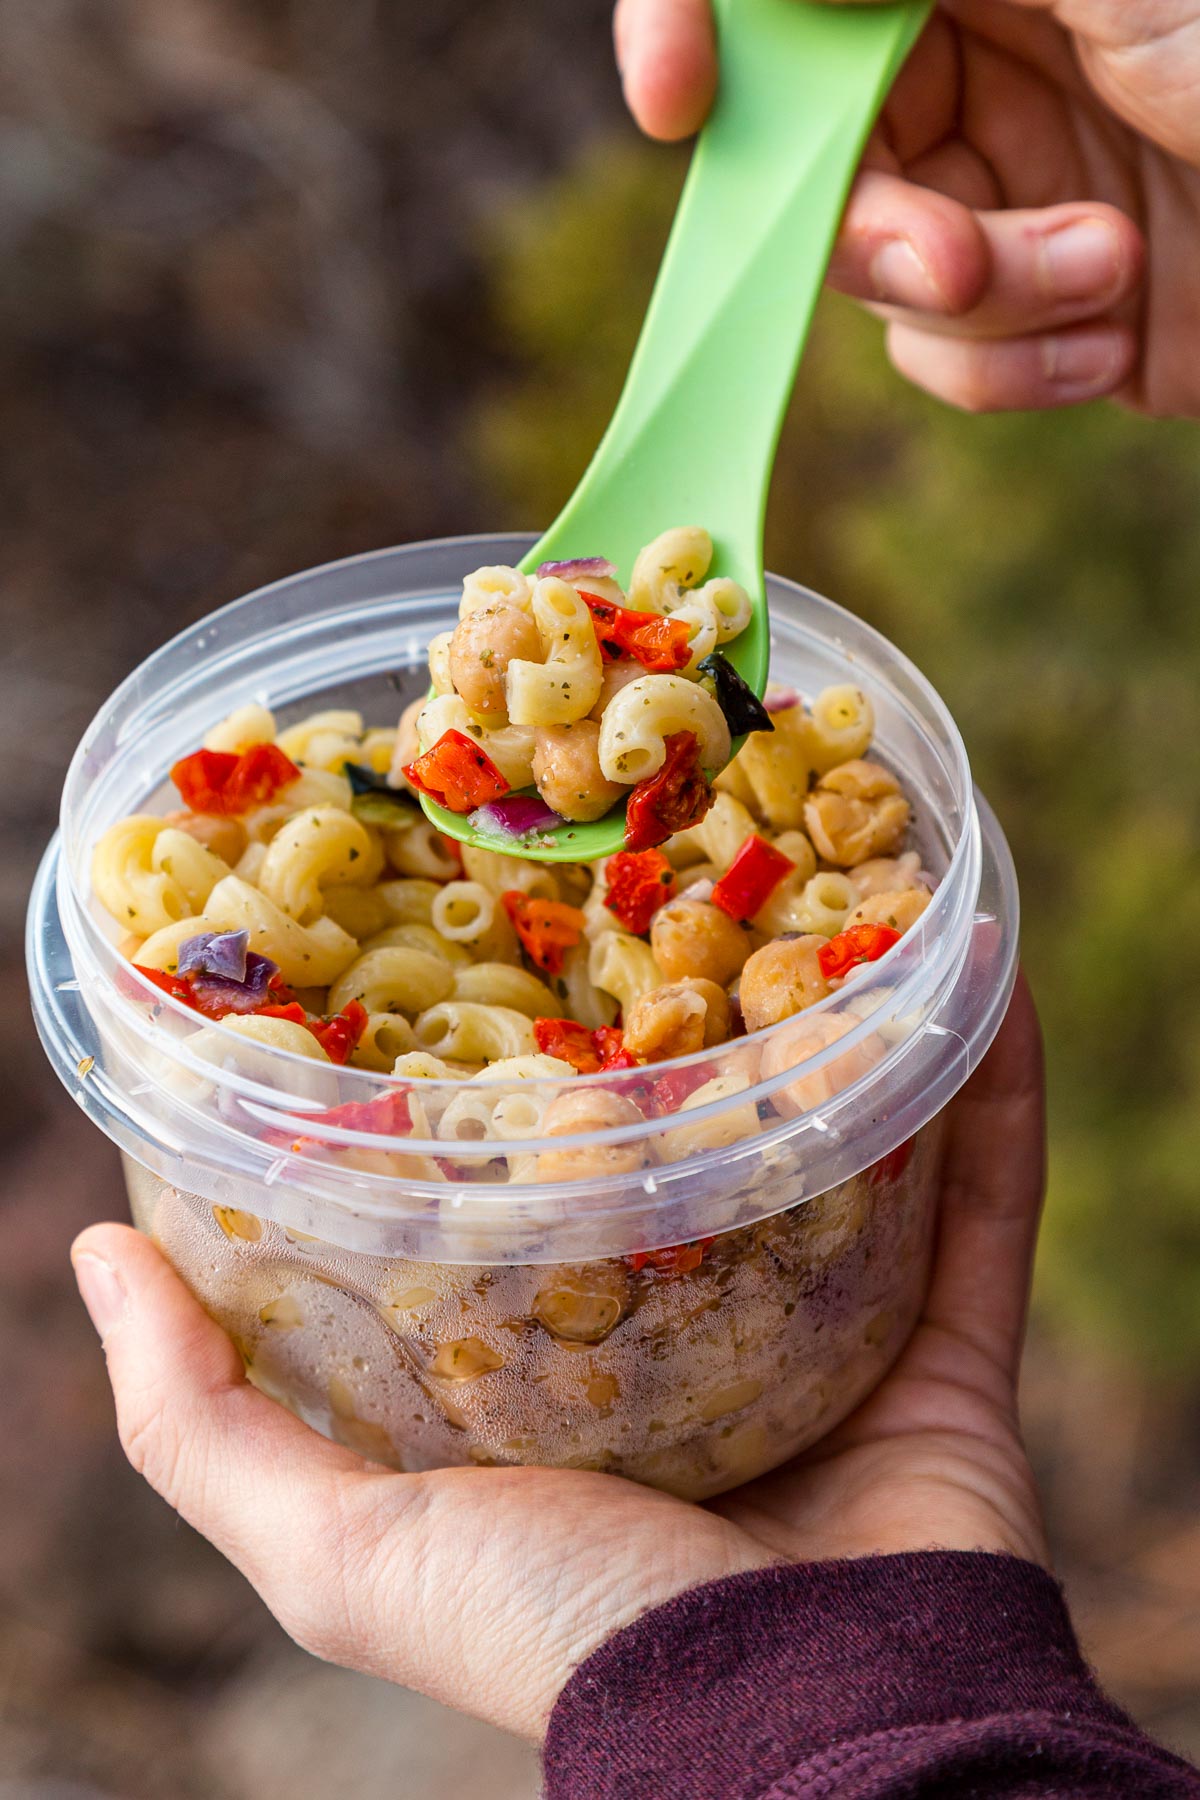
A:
(239, 996)
(515, 816)
(780, 699)
(597, 567)
(220, 953)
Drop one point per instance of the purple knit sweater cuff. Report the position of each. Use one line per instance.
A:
(741, 1686)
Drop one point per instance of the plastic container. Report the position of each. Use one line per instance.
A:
(436, 1298)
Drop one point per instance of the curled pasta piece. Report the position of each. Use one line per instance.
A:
(840, 727)
(387, 1036)
(500, 873)
(316, 787)
(360, 911)
(247, 726)
(409, 901)
(823, 906)
(722, 831)
(419, 937)
(418, 851)
(582, 999)
(308, 955)
(624, 967)
(647, 712)
(566, 685)
(727, 1127)
(467, 1119)
(440, 678)
(419, 1065)
(393, 981)
(497, 583)
(465, 913)
(321, 846)
(776, 766)
(189, 865)
(126, 882)
(299, 740)
(470, 1032)
(676, 558)
(501, 984)
(714, 613)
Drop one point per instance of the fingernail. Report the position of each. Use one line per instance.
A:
(102, 1291)
(1082, 359)
(1080, 262)
(900, 276)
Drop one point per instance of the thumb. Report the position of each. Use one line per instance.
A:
(271, 1494)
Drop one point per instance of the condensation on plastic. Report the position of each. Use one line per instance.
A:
(354, 634)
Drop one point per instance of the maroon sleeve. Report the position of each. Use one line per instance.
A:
(916, 1677)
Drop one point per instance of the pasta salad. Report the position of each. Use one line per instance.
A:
(298, 898)
(584, 696)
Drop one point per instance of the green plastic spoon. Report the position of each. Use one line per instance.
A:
(693, 438)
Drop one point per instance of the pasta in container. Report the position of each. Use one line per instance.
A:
(628, 1167)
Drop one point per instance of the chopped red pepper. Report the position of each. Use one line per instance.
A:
(569, 1041)
(661, 645)
(457, 773)
(860, 944)
(610, 1047)
(546, 928)
(675, 1259)
(892, 1166)
(751, 878)
(341, 1034)
(292, 1013)
(670, 1091)
(216, 781)
(587, 1051)
(639, 881)
(677, 797)
(388, 1115)
(174, 985)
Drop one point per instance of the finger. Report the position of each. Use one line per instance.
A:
(992, 1184)
(667, 55)
(432, 1580)
(1056, 368)
(908, 246)
(983, 274)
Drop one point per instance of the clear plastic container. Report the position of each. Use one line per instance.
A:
(686, 1299)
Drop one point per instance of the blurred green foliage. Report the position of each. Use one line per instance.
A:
(1043, 571)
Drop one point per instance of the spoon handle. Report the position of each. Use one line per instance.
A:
(694, 434)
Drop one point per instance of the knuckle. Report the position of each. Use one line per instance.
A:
(152, 1443)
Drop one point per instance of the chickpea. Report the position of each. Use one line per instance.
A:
(616, 676)
(793, 1047)
(566, 768)
(585, 1111)
(717, 1009)
(899, 910)
(483, 645)
(226, 838)
(781, 979)
(668, 1021)
(407, 747)
(887, 874)
(693, 937)
(856, 812)
(583, 1305)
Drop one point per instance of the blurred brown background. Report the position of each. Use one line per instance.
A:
(286, 279)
